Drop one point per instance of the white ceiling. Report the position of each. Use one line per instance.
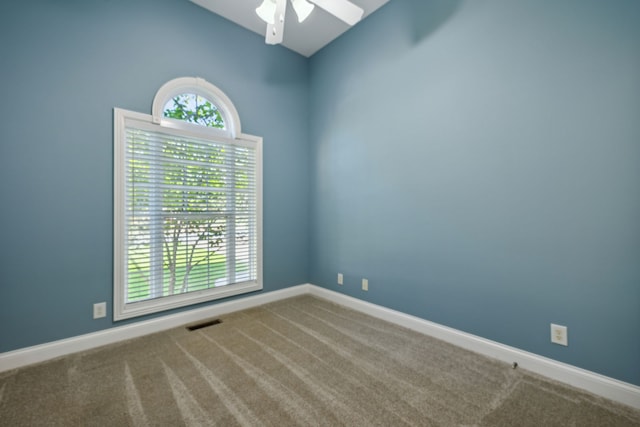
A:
(306, 38)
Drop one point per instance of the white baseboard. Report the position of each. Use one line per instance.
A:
(40, 353)
(601, 385)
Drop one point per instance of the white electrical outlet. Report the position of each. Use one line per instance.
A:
(340, 279)
(99, 310)
(365, 285)
(559, 335)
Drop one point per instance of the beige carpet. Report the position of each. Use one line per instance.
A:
(302, 361)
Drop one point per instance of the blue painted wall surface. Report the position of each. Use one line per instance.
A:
(64, 66)
(479, 162)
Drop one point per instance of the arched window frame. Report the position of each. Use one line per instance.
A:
(197, 86)
(230, 134)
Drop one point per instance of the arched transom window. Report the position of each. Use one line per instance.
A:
(193, 108)
(188, 201)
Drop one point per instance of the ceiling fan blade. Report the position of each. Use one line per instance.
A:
(341, 9)
(275, 31)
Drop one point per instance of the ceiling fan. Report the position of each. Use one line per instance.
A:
(273, 11)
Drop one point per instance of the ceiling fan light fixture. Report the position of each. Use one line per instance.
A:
(267, 11)
(273, 13)
(302, 8)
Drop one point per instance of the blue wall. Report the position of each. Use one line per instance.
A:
(64, 66)
(479, 162)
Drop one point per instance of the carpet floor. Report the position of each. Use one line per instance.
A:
(301, 361)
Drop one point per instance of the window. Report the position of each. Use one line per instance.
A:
(187, 202)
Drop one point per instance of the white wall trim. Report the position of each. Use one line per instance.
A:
(40, 353)
(601, 385)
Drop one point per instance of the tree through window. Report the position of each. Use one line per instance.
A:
(189, 204)
(193, 108)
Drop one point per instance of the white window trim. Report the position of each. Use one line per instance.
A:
(200, 87)
(122, 309)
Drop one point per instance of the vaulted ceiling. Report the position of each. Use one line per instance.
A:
(306, 38)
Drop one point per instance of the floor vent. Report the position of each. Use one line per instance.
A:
(204, 324)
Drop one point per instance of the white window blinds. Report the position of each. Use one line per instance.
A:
(190, 214)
